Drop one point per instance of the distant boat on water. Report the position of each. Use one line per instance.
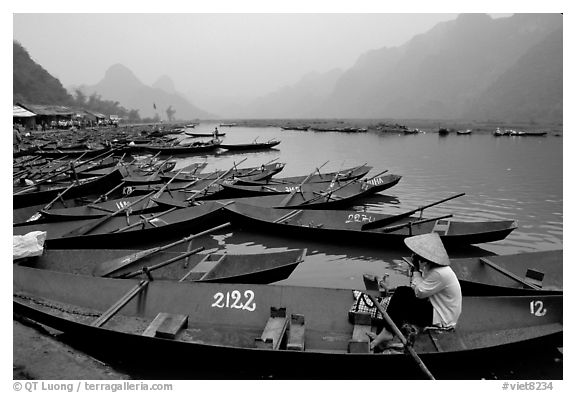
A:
(228, 124)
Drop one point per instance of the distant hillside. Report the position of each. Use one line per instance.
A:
(33, 84)
(120, 84)
(470, 68)
(530, 90)
(444, 72)
(296, 100)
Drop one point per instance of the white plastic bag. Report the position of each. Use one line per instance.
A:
(28, 245)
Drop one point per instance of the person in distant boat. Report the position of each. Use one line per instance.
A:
(434, 297)
(215, 135)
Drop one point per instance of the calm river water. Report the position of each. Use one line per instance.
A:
(516, 178)
(503, 177)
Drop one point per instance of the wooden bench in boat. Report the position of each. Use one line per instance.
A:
(166, 325)
(360, 342)
(441, 227)
(296, 332)
(275, 329)
(204, 267)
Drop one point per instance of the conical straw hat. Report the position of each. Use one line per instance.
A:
(430, 247)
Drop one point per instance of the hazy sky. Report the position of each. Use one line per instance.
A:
(223, 54)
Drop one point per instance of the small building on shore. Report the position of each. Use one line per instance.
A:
(47, 115)
(23, 117)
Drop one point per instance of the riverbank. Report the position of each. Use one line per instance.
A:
(38, 355)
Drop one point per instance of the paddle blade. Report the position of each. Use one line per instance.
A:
(108, 267)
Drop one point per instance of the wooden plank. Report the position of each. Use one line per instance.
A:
(441, 227)
(296, 333)
(275, 329)
(172, 325)
(203, 268)
(151, 329)
(508, 273)
(360, 342)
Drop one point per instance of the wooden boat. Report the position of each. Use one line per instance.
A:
(250, 146)
(342, 175)
(341, 191)
(204, 134)
(101, 209)
(443, 131)
(196, 148)
(412, 132)
(228, 124)
(56, 153)
(295, 128)
(529, 273)
(346, 225)
(263, 268)
(44, 193)
(140, 231)
(265, 330)
(257, 173)
(535, 133)
(464, 132)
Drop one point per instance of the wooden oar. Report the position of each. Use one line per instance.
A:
(161, 191)
(109, 267)
(193, 196)
(288, 198)
(416, 222)
(329, 193)
(374, 177)
(260, 167)
(509, 274)
(124, 300)
(398, 333)
(104, 197)
(287, 216)
(385, 221)
(85, 229)
(148, 269)
(59, 196)
(144, 220)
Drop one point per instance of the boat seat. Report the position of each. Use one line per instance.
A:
(534, 277)
(441, 227)
(274, 331)
(360, 342)
(296, 331)
(204, 267)
(166, 325)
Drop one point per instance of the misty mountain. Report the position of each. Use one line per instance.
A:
(33, 84)
(456, 66)
(120, 84)
(473, 67)
(531, 89)
(303, 97)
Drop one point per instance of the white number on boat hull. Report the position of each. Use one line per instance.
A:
(363, 218)
(234, 300)
(537, 308)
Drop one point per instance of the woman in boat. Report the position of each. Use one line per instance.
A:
(434, 297)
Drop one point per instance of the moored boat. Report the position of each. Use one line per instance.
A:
(250, 146)
(510, 275)
(262, 268)
(346, 225)
(139, 231)
(264, 330)
(317, 195)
